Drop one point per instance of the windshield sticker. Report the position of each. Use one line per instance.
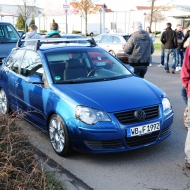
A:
(100, 63)
(57, 78)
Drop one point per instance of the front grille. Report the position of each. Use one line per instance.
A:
(129, 117)
(165, 132)
(142, 140)
(111, 144)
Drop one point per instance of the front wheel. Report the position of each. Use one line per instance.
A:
(59, 137)
(112, 52)
(4, 103)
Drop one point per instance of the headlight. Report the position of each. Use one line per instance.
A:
(166, 104)
(90, 116)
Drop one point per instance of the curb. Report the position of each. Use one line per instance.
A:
(69, 181)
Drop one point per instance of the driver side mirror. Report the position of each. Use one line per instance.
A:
(130, 68)
(34, 79)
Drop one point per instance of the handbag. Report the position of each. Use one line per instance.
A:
(186, 43)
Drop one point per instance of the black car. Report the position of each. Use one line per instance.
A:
(8, 39)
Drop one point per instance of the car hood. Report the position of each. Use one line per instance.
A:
(115, 95)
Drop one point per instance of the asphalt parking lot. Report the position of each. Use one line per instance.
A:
(158, 167)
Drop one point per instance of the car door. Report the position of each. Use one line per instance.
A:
(30, 96)
(10, 76)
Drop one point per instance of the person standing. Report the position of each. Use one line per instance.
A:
(32, 34)
(169, 40)
(185, 78)
(148, 29)
(53, 33)
(179, 48)
(139, 49)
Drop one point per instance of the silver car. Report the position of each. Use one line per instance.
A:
(114, 44)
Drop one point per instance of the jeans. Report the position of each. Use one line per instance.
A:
(179, 58)
(162, 57)
(151, 59)
(167, 52)
(187, 142)
(140, 70)
(184, 95)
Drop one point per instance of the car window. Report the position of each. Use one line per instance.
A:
(15, 60)
(106, 39)
(31, 64)
(98, 38)
(8, 33)
(126, 37)
(84, 66)
(116, 39)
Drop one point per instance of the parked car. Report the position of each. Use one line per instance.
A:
(114, 44)
(84, 98)
(8, 39)
(21, 33)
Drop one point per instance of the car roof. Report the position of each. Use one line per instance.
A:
(117, 34)
(2, 22)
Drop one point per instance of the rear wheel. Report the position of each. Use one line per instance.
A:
(4, 103)
(59, 137)
(112, 52)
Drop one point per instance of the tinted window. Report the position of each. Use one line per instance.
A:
(8, 33)
(75, 66)
(126, 37)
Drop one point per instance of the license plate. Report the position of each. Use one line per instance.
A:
(142, 130)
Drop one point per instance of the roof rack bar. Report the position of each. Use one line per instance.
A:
(37, 45)
(18, 44)
(39, 42)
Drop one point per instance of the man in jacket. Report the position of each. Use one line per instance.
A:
(32, 35)
(169, 40)
(185, 78)
(139, 49)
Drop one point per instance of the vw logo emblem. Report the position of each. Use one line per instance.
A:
(140, 115)
(99, 58)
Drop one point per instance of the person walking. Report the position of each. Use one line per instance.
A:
(169, 40)
(179, 48)
(139, 49)
(32, 34)
(185, 77)
(148, 29)
(53, 33)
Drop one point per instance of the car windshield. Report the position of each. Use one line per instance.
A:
(8, 34)
(81, 66)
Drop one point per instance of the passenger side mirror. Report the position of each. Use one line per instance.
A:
(34, 79)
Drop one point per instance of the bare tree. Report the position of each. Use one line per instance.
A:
(155, 9)
(27, 9)
(156, 17)
(84, 7)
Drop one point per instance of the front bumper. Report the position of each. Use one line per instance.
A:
(112, 137)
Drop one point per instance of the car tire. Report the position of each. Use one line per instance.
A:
(91, 34)
(112, 52)
(59, 136)
(4, 103)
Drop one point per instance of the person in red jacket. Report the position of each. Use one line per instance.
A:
(185, 79)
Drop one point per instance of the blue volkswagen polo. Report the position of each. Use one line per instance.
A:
(84, 98)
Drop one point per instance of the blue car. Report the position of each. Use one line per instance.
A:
(84, 98)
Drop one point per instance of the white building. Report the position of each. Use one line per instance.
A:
(102, 19)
